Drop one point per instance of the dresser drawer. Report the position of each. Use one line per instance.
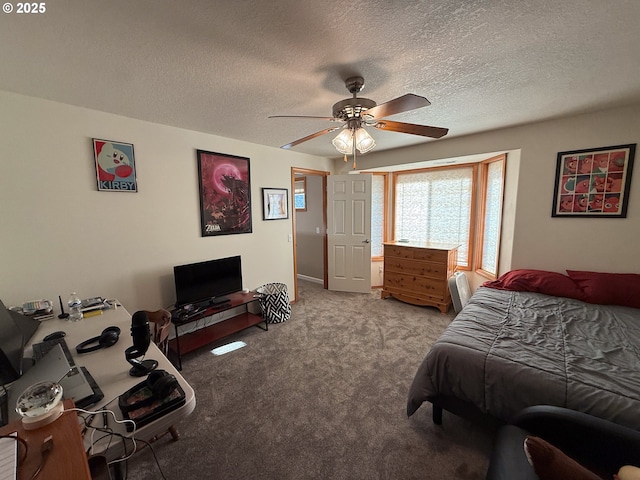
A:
(408, 266)
(428, 254)
(420, 286)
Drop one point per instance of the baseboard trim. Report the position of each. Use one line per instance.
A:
(310, 279)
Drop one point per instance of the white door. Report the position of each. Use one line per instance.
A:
(349, 232)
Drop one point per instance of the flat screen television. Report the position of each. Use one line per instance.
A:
(207, 283)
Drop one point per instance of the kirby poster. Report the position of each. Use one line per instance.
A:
(115, 166)
(593, 182)
(225, 194)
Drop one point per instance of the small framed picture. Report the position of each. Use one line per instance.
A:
(593, 182)
(115, 166)
(275, 203)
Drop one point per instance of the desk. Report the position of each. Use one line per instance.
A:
(110, 370)
(67, 459)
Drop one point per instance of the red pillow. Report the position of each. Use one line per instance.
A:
(609, 288)
(538, 281)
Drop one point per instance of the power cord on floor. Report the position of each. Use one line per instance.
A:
(110, 433)
(154, 457)
(127, 456)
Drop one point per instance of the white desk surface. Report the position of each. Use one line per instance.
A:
(110, 369)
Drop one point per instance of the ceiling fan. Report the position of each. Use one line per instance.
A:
(356, 113)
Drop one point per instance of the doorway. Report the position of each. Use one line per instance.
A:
(309, 225)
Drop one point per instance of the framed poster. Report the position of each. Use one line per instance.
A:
(593, 182)
(275, 203)
(225, 194)
(115, 166)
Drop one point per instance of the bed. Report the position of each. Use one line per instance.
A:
(534, 337)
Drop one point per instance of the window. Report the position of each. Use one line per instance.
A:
(378, 217)
(490, 216)
(436, 205)
(300, 194)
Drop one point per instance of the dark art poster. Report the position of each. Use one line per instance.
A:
(225, 194)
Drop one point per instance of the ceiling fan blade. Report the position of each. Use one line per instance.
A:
(331, 119)
(411, 128)
(309, 137)
(398, 105)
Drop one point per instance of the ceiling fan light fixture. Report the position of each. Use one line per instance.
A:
(358, 112)
(364, 141)
(344, 141)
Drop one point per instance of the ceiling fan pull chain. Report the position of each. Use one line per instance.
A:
(354, 150)
(345, 158)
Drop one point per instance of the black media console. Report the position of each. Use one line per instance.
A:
(185, 343)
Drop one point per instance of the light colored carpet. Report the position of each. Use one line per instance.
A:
(321, 396)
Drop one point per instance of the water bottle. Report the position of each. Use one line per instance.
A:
(74, 303)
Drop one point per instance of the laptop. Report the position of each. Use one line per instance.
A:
(76, 382)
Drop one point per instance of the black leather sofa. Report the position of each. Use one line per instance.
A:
(599, 445)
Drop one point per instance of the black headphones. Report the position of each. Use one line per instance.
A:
(155, 390)
(161, 383)
(108, 337)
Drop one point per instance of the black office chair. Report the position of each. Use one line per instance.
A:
(161, 320)
(597, 444)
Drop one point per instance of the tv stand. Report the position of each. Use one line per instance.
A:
(188, 342)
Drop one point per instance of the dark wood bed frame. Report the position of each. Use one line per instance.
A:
(458, 407)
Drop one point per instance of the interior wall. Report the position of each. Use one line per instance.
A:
(309, 232)
(531, 238)
(59, 234)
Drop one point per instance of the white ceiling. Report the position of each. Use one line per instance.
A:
(223, 67)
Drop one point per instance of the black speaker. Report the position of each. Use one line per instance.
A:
(107, 338)
(161, 383)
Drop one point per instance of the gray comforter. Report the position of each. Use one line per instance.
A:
(508, 350)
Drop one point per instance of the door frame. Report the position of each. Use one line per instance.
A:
(324, 175)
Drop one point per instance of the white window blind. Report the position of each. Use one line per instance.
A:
(435, 206)
(492, 217)
(377, 215)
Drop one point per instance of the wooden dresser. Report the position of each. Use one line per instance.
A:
(417, 273)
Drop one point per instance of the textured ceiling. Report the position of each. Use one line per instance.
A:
(223, 67)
